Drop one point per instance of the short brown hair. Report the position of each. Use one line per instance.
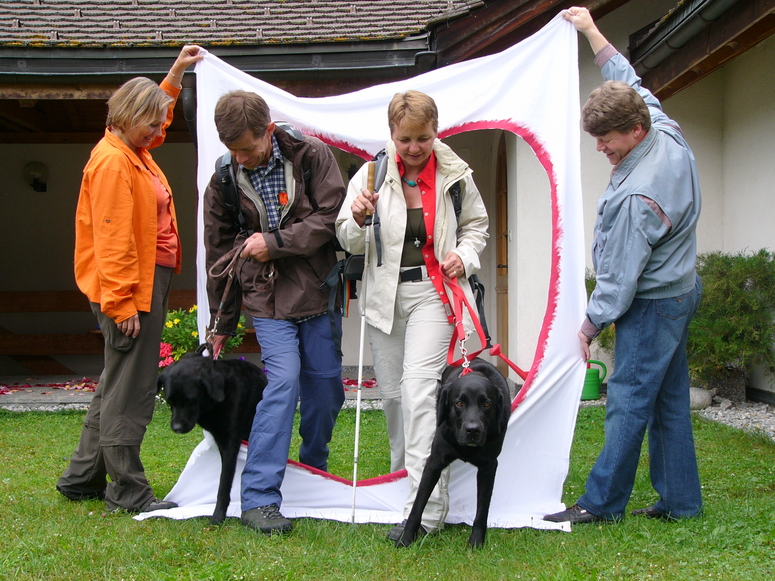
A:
(614, 106)
(418, 109)
(240, 111)
(136, 102)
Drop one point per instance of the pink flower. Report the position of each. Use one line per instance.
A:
(165, 350)
(165, 355)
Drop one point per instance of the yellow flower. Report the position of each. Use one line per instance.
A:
(239, 325)
(176, 321)
(192, 309)
(168, 324)
(194, 333)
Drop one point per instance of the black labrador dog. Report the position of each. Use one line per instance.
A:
(472, 415)
(221, 396)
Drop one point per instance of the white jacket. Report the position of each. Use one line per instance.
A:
(467, 240)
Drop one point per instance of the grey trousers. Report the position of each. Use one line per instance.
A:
(120, 411)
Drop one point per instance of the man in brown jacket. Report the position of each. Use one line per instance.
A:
(289, 192)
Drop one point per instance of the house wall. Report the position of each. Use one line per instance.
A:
(37, 234)
(749, 149)
(728, 118)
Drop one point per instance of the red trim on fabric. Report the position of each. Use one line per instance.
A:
(387, 478)
(557, 232)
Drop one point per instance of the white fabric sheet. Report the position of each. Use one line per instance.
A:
(530, 89)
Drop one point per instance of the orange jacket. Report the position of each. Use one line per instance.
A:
(115, 225)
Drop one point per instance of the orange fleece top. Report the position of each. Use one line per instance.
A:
(116, 224)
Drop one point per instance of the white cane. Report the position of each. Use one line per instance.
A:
(362, 310)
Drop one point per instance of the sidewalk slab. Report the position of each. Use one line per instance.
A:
(62, 392)
(46, 393)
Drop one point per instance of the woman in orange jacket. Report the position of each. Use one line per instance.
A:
(126, 249)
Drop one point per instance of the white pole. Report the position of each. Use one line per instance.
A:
(362, 309)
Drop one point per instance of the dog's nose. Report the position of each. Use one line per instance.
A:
(473, 430)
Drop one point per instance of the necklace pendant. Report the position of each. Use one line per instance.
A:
(416, 243)
(410, 183)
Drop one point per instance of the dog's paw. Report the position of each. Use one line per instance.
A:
(476, 540)
(217, 519)
(405, 540)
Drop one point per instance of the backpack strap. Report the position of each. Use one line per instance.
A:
(223, 168)
(298, 135)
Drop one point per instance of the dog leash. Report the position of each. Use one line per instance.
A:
(460, 301)
(229, 259)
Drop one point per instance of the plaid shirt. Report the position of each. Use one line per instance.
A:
(269, 181)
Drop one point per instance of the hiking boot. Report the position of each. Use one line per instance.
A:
(266, 519)
(157, 504)
(395, 533)
(78, 495)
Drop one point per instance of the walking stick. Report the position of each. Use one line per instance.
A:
(362, 310)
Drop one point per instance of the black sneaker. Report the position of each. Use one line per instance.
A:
(575, 514)
(266, 519)
(651, 512)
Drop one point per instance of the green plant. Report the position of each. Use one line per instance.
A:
(181, 333)
(606, 340)
(734, 327)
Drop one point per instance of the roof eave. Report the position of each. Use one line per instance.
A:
(108, 64)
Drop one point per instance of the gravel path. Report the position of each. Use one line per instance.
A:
(748, 416)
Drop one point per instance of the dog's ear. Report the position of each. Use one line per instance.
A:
(492, 374)
(214, 383)
(501, 385)
(450, 374)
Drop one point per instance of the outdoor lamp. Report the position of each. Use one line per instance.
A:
(35, 173)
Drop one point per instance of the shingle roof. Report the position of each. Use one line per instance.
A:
(91, 23)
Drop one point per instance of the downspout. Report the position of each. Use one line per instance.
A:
(656, 50)
(188, 98)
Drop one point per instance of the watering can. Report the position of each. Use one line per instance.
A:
(593, 380)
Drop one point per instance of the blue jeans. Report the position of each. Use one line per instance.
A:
(301, 363)
(649, 389)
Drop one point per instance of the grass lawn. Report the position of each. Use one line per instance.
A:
(45, 536)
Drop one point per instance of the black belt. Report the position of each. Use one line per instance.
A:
(411, 275)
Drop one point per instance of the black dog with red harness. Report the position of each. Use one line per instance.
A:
(473, 408)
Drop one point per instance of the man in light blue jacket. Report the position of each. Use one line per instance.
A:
(644, 253)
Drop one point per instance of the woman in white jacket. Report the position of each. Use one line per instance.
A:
(421, 242)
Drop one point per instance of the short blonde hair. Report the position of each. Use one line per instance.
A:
(415, 108)
(136, 102)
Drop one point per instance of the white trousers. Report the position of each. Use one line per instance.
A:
(408, 363)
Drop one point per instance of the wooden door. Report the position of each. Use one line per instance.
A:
(502, 253)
